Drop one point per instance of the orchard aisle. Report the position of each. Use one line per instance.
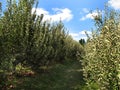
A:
(59, 77)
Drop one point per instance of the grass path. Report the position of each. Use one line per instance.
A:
(60, 77)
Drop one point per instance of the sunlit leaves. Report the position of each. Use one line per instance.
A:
(101, 63)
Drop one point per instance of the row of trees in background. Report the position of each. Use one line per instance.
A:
(28, 40)
(102, 59)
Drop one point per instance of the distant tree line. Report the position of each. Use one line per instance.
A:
(82, 42)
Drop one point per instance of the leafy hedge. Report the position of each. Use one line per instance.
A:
(102, 60)
(28, 40)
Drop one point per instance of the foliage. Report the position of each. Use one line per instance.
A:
(102, 59)
(82, 41)
(28, 40)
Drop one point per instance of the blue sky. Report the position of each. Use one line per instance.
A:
(75, 14)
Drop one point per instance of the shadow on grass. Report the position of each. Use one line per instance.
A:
(59, 77)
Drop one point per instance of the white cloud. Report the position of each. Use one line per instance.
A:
(89, 15)
(60, 14)
(85, 10)
(114, 3)
(40, 11)
(80, 35)
(83, 32)
(74, 34)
